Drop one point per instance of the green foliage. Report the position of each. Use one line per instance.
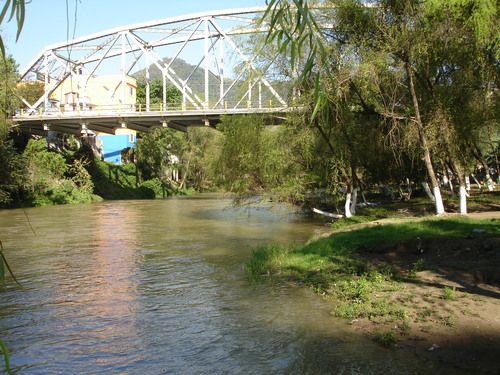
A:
(389, 84)
(480, 15)
(11, 8)
(385, 338)
(154, 150)
(173, 95)
(52, 180)
(155, 188)
(31, 91)
(200, 156)
(257, 159)
(8, 80)
(115, 181)
(242, 153)
(449, 294)
(42, 163)
(347, 222)
(13, 173)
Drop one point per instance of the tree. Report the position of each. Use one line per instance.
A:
(13, 173)
(173, 95)
(379, 65)
(31, 91)
(154, 150)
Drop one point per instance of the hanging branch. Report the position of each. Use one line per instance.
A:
(17, 7)
(2, 256)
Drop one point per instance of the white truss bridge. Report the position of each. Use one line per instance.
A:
(228, 76)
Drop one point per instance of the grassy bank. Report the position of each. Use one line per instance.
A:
(377, 274)
(112, 181)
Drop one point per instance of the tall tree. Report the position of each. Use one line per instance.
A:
(378, 63)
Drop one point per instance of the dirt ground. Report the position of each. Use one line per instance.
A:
(451, 291)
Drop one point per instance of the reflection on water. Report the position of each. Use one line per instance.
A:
(159, 287)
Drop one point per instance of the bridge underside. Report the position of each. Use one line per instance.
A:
(85, 123)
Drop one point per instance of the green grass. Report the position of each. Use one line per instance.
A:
(385, 338)
(113, 181)
(333, 266)
(358, 219)
(449, 294)
(337, 253)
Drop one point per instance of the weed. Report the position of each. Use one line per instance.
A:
(348, 310)
(448, 321)
(449, 294)
(419, 265)
(424, 314)
(385, 338)
(404, 328)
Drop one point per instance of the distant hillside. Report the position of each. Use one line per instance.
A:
(197, 78)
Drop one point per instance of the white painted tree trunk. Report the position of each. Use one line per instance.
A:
(489, 182)
(354, 201)
(477, 182)
(438, 201)
(363, 197)
(445, 180)
(428, 191)
(450, 184)
(347, 206)
(467, 183)
(463, 200)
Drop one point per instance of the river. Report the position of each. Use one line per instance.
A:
(153, 287)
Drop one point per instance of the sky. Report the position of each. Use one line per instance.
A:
(46, 20)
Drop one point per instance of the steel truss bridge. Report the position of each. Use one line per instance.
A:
(229, 77)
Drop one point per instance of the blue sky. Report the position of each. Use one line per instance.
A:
(46, 19)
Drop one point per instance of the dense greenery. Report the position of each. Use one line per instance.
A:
(173, 97)
(400, 89)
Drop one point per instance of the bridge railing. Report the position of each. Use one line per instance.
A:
(69, 110)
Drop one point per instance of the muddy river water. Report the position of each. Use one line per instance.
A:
(153, 287)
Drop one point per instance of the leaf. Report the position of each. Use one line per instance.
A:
(20, 18)
(2, 269)
(5, 352)
(2, 48)
(4, 10)
(4, 262)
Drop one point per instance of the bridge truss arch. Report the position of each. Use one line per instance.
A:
(222, 77)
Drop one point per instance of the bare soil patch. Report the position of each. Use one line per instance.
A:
(450, 289)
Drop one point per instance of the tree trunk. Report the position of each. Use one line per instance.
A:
(347, 206)
(459, 171)
(477, 183)
(354, 201)
(428, 191)
(423, 144)
(467, 183)
(463, 199)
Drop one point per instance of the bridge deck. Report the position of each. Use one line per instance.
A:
(107, 121)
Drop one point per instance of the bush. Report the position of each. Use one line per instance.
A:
(156, 188)
(13, 173)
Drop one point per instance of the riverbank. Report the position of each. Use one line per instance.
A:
(426, 285)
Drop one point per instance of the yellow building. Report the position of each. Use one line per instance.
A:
(96, 93)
